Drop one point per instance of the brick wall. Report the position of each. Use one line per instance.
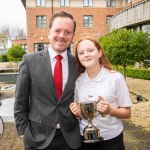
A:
(39, 35)
(18, 42)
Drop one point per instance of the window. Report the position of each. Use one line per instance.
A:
(41, 21)
(40, 2)
(126, 1)
(24, 46)
(70, 49)
(40, 46)
(88, 3)
(111, 3)
(64, 2)
(108, 20)
(146, 28)
(88, 21)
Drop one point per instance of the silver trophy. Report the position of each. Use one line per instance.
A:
(91, 134)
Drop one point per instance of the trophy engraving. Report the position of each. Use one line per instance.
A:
(91, 134)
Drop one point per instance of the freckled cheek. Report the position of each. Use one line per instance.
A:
(80, 58)
(69, 39)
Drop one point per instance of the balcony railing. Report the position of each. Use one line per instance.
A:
(134, 14)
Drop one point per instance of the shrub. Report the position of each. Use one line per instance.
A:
(135, 72)
(3, 58)
(15, 53)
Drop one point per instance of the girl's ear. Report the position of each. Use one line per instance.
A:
(100, 53)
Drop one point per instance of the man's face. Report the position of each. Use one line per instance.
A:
(61, 34)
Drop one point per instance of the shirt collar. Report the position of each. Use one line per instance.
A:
(97, 78)
(53, 53)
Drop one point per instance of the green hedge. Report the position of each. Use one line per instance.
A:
(3, 58)
(135, 72)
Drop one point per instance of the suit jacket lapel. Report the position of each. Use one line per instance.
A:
(70, 74)
(47, 72)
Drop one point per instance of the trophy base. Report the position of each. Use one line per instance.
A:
(94, 140)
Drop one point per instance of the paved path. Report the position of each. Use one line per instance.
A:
(7, 110)
(135, 137)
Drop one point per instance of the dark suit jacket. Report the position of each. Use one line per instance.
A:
(37, 109)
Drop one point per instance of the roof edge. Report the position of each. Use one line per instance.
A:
(24, 3)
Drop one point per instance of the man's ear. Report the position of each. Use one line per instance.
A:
(48, 33)
(48, 36)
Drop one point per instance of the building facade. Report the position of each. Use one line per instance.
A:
(135, 15)
(92, 17)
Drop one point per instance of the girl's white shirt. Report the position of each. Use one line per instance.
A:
(112, 86)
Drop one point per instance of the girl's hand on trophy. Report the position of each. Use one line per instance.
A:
(103, 106)
(75, 109)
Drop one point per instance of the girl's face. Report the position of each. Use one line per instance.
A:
(88, 54)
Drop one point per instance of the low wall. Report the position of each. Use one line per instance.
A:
(4, 65)
(9, 70)
(8, 77)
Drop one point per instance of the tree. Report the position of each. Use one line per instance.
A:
(3, 42)
(125, 47)
(141, 46)
(8, 33)
(15, 53)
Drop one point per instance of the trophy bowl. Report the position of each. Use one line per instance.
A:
(91, 134)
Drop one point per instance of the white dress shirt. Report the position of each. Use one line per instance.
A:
(64, 61)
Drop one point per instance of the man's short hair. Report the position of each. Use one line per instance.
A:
(62, 14)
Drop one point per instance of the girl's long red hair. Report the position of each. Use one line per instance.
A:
(102, 60)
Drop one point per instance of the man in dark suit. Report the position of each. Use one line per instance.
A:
(42, 117)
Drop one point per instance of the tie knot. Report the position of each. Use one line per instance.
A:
(58, 57)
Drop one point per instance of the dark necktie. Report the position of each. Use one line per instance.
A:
(58, 76)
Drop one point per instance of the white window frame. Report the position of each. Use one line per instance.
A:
(108, 20)
(41, 21)
(40, 46)
(40, 3)
(64, 3)
(88, 21)
(111, 3)
(87, 3)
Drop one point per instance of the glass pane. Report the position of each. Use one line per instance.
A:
(85, 2)
(62, 2)
(46, 46)
(91, 21)
(113, 3)
(88, 21)
(90, 2)
(85, 17)
(146, 28)
(38, 3)
(41, 21)
(40, 46)
(42, 2)
(108, 20)
(66, 2)
(108, 3)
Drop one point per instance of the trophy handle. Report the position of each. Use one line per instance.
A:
(102, 114)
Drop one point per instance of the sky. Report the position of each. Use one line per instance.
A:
(12, 13)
